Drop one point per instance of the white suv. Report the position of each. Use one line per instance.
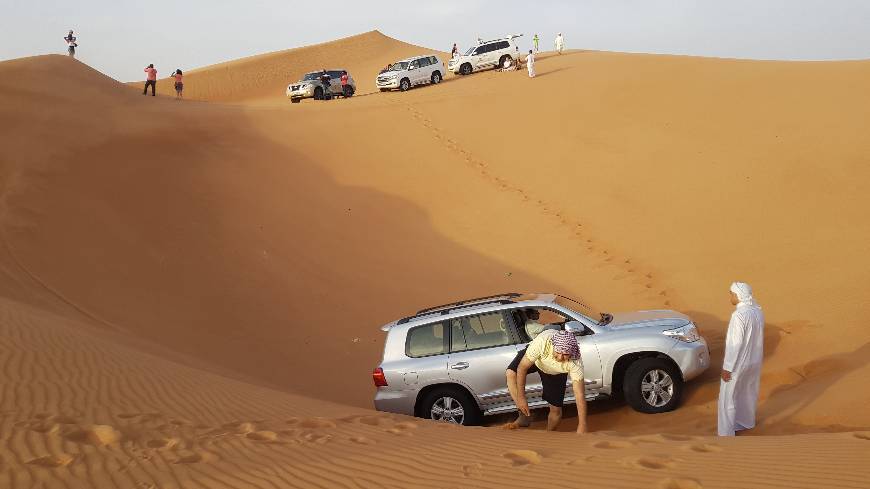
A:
(488, 54)
(404, 74)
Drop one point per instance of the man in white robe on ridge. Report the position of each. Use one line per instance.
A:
(741, 369)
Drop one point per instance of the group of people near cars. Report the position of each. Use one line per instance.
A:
(555, 355)
(513, 65)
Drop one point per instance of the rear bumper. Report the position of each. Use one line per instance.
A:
(692, 358)
(392, 401)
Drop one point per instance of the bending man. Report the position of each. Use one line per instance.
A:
(555, 355)
(741, 369)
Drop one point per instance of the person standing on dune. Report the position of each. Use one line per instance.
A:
(455, 51)
(530, 63)
(150, 80)
(179, 84)
(555, 355)
(741, 369)
(560, 43)
(71, 44)
(535, 41)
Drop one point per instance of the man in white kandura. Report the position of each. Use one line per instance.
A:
(530, 63)
(741, 369)
(560, 43)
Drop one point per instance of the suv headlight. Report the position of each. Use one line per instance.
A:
(687, 333)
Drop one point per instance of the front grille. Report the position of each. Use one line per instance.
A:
(383, 79)
(295, 87)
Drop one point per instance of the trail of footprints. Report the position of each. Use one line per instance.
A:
(626, 268)
(148, 435)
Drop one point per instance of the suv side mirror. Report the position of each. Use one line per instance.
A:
(576, 327)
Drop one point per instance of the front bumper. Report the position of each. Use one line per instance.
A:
(301, 93)
(393, 401)
(692, 358)
(387, 83)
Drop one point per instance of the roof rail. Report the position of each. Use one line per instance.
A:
(506, 298)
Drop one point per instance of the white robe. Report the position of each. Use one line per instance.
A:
(560, 44)
(530, 64)
(744, 350)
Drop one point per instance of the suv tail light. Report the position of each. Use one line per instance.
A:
(379, 378)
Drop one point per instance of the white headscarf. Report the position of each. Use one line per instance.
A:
(743, 292)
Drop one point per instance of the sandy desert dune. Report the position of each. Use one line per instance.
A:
(191, 291)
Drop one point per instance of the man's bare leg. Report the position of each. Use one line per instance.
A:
(554, 418)
(522, 420)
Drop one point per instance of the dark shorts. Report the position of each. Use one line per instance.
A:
(179, 86)
(554, 385)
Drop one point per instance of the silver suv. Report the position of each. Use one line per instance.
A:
(410, 72)
(310, 86)
(448, 362)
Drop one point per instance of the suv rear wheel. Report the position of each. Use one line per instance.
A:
(652, 385)
(465, 69)
(318, 93)
(450, 404)
(405, 85)
(436, 78)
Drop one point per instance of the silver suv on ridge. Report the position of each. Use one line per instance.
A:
(448, 362)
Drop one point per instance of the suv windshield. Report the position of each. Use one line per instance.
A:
(400, 66)
(470, 50)
(586, 310)
(312, 76)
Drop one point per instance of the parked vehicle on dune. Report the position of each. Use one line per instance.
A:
(311, 86)
(448, 362)
(407, 73)
(486, 55)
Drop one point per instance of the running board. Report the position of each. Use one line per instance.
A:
(509, 408)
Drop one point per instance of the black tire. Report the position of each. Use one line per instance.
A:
(295, 100)
(470, 412)
(465, 69)
(348, 91)
(318, 93)
(405, 85)
(436, 77)
(385, 89)
(501, 61)
(649, 371)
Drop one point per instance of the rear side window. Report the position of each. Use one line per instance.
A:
(424, 62)
(502, 45)
(426, 340)
(334, 74)
(480, 331)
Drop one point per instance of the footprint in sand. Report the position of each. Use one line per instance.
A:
(663, 437)
(705, 448)
(267, 436)
(375, 420)
(129, 415)
(522, 457)
(862, 435)
(610, 445)
(318, 438)
(167, 443)
(679, 484)
(362, 440)
(189, 458)
(52, 461)
(317, 423)
(397, 431)
(97, 435)
(471, 469)
(653, 462)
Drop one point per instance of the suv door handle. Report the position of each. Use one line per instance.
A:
(459, 366)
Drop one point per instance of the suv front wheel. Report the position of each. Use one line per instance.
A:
(652, 385)
(465, 69)
(405, 85)
(451, 405)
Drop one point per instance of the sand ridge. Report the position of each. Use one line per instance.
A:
(172, 271)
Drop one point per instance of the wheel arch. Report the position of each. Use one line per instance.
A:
(617, 374)
(422, 393)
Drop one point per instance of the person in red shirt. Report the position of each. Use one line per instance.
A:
(344, 87)
(151, 80)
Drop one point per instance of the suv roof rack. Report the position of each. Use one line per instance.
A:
(505, 298)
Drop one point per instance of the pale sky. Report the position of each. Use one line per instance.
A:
(120, 37)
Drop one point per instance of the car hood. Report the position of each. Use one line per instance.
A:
(648, 318)
(303, 82)
(389, 73)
